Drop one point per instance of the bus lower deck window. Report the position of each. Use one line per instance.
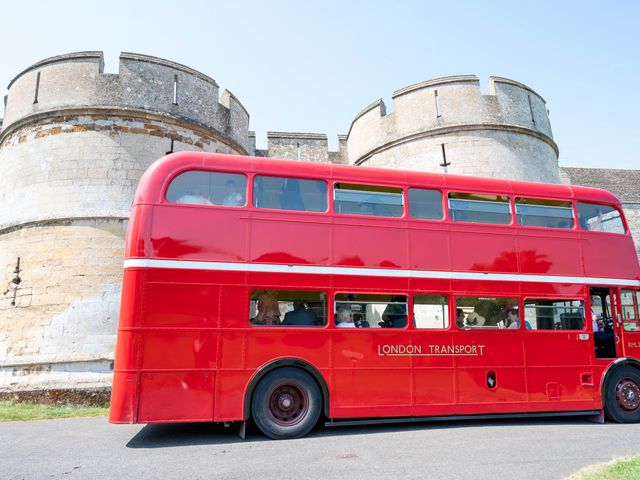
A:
(545, 314)
(430, 311)
(289, 308)
(356, 310)
(485, 312)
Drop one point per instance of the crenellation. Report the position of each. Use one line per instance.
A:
(507, 133)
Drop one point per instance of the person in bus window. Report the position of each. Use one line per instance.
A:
(460, 317)
(300, 315)
(194, 197)
(512, 319)
(268, 310)
(344, 319)
(395, 314)
(233, 198)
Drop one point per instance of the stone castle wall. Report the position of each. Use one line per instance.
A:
(309, 147)
(75, 141)
(505, 134)
(74, 144)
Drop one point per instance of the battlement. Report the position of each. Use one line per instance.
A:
(143, 83)
(309, 147)
(444, 104)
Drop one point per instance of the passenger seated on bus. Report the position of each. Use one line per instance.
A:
(268, 310)
(395, 314)
(359, 321)
(300, 315)
(460, 317)
(194, 197)
(512, 320)
(475, 320)
(344, 319)
(232, 197)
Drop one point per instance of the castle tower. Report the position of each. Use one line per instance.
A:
(73, 144)
(448, 123)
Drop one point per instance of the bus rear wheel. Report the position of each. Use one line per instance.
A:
(286, 403)
(622, 397)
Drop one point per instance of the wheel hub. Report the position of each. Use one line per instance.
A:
(288, 404)
(628, 394)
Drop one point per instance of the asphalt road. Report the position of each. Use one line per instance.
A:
(90, 448)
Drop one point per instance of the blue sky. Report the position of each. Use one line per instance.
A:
(312, 66)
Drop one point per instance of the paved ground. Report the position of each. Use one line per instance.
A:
(91, 448)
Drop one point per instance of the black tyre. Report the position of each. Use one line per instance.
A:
(286, 403)
(622, 395)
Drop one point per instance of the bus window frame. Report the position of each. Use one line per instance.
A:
(586, 305)
(167, 183)
(329, 314)
(255, 208)
(573, 211)
(482, 328)
(443, 204)
(412, 324)
(510, 202)
(404, 196)
(615, 207)
(409, 321)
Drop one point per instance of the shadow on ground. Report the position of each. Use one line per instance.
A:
(188, 434)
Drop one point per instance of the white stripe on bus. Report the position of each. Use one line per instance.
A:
(372, 272)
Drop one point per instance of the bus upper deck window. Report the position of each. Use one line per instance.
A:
(282, 193)
(208, 188)
(425, 204)
(599, 218)
(535, 212)
(371, 200)
(479, 208)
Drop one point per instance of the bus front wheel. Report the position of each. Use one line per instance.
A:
(622, 396)
(286, 403)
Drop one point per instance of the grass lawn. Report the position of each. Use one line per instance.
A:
(621, 469)
(10, 411)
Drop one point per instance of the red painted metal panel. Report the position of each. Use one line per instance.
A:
(122, 408)
(176, 397)
(183, 305)
(178, 349)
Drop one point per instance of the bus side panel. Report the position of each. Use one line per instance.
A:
(123, 398)
(137, 231)
(124, 388)
(178, 396)
(187, 232)
(609, 255)
(549, 255)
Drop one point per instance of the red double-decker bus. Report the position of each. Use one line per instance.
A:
(284, 292)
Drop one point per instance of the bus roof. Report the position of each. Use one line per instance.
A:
(155, 179)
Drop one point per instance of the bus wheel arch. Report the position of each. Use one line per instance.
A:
(621, 391)
(286, 363)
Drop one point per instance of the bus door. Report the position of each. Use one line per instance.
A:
(605, 321)
(628, 327)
